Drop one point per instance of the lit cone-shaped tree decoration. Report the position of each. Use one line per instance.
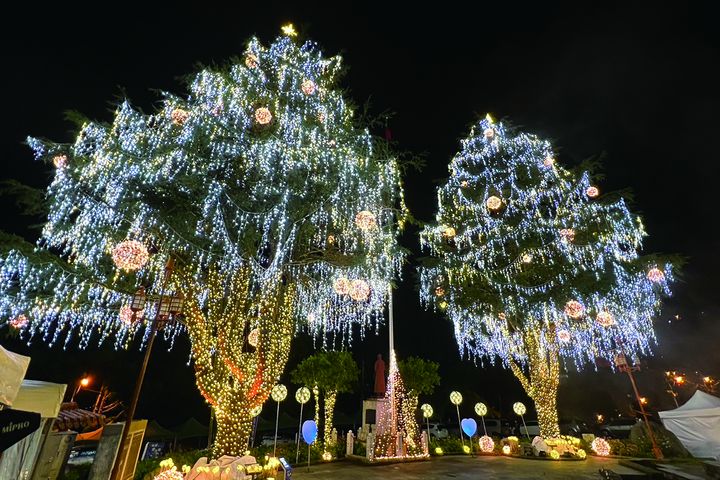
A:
(545, 275)
(242, 185)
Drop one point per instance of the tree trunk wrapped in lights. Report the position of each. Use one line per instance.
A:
(279, 206)
(534, 267)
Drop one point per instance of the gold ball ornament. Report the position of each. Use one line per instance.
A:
(263, 116)
(254, 337)
(359, 290)
(455, 397)
(449, 232)
(655, 275)
(554, 454)
(519, 408)
(574, 309)
(179, 116)
(302, 395)
(278, 392)
(60, 161)
(439, 291)
(563, 336)
(486, 444)
(365, 220)
(605, 318)
(19, 322)
(592, 192)
(130, 255)
(581, 454)
(481, 409)
(493, 203)
(341, 286)
(251, 60)
(308, 87)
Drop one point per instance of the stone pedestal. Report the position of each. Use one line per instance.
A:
(371, 413)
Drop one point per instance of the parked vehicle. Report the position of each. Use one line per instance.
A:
(438, 431)
(268, 439)
(531, 428)
(618, 427)
(574, 427)
(496, 427)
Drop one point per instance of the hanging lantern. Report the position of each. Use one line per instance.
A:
(127, 316)
(605, 318)
(176, 304)
(365, 220)
(130, 255)
(655, 275)
(137, 303)
(439, 291)
(574, 309)
(359, 290)
(493, 203)
(341, 286)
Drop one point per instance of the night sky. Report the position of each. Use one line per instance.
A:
(638, 84)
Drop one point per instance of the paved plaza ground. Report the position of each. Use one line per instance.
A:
(462, 467)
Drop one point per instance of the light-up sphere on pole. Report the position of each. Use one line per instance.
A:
(481, 409)
(278, 392)
(427, 410)
(455, 398)
(302, 395)
(519, 408)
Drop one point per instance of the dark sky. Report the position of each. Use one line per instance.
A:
(637, 83)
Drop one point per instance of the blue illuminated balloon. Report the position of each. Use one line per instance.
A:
(469, 426)
(309, 431)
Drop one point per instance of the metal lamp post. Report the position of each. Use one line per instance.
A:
(456, 399)
(427, 412)
(519, 409)
(278, 393)
(481, 411)
(302, 396)
(167, 306)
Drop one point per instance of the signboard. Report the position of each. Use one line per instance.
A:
(287, 469)
(16, 425)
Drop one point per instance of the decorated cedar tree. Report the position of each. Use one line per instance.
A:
(534, 267)
(274, 204)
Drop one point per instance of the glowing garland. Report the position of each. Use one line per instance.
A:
(550, 272)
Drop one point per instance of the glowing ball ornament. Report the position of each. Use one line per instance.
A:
(655, 275)
(455, 398)
(466, 449)
(60, 161)
(493, 203)
(469, 426)
(126, 315)
(438, 451)
(278, 392)
(600, 446)
(563, 336)
(527, 258)
(327, 456)
(251, 60)
(574, 309)
(171, 474)
(481, 409)
(365, 220)
(581, 454)
(489, 133)
(592, 192)
(502, 316)
(308, 87)
(19, 322)
(254, 412)
(486, 444)
(302, 395)
(254, 337)
(567, 234)
(549, 161)
(506, 449)
(341, 286)
(519, 408)
(605, 319)
(179, 116)
(554, 454)
(359, 290)
(439, 291)
(309, 431)
(449, 232)
(263, 116)
(427, 410)
(130, 255)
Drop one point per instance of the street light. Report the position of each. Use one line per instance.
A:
(82, 383)
(167, 306)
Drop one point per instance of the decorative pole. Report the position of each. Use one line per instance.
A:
(519, 408)
(456, 399)
(278, 393)
(139, 303)
(302, 396)
(427, 412)
(481, 410)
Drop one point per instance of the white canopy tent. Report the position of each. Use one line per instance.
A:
(696, 423)
(12, 371)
